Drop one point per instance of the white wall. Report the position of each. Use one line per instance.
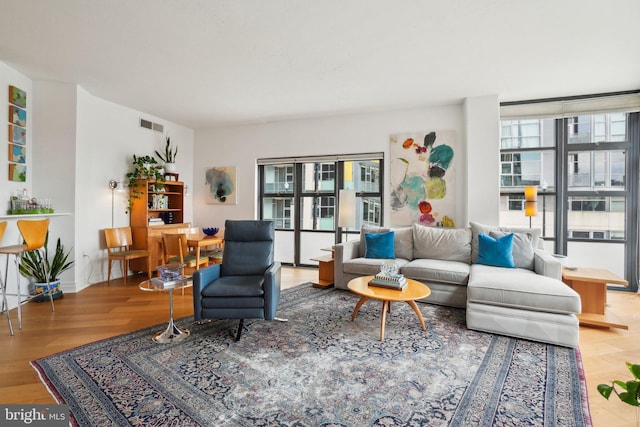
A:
(241, 146)
(54, 159)
(76, 143)
(10, 77)
(108, 135)
(482, 125)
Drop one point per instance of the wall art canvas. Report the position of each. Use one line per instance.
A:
(222, 185)
(17, 135)
(17, 97)
(17, 116)
(423, 178)
(17, 172)
(17, 153)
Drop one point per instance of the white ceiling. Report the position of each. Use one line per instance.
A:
(208, 63)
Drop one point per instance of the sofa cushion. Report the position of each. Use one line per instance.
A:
(450, 244)
(402, 240)
(427, 270)
(495, 251)
(522, 251)
(367, 266)
(521, 289)
(379, 245)
(477, 228)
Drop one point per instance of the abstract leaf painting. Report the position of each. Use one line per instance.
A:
(222, 185)
(423, 178)
(17, 116)
(17, 153)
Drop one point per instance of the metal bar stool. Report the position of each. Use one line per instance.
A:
(34, 234)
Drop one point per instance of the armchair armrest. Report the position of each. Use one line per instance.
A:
(546, 265)
(271, 289)
(343, 252)
(201, 278)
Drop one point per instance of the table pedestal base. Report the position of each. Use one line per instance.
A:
(171, 334)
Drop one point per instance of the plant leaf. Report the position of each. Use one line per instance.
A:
(605, 390)
(621, 384)
(635, 370)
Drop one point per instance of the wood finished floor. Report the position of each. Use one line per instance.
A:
(102, 311)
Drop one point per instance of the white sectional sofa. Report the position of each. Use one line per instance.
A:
(528, 301)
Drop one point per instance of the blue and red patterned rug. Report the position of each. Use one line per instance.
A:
(321, 369)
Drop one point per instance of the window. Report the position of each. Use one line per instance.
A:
(301, 196)
(597, 176)
(516, 202)
(597, 128)
(527, 157)
(371, 210)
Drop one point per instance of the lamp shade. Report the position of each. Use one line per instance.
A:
(531, 193)
(530, 208)
(347, 208)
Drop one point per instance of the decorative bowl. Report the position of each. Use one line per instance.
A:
(170, 271)
(210, 231)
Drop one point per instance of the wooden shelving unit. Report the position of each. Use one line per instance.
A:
(155, 201)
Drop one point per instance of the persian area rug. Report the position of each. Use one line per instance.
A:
(322, 369)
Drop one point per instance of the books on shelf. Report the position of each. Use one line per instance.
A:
(155, 221)
(389, 281)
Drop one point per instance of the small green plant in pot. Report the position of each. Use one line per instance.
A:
(147, 168)
(627, 391)
(43, 268)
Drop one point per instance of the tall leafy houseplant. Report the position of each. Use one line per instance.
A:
(144, 167)
(43, 268)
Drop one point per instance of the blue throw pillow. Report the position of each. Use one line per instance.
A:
(379, 245)
(496, 252)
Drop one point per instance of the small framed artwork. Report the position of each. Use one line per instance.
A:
(17, 153)
(17, 116)
(17, 135)
(222, 185)
(17, 97)
(17, 172)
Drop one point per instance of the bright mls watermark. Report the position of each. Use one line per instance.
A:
(34, 415)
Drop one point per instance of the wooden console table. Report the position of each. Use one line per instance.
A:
(591, 285)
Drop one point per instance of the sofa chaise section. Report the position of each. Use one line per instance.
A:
(529, 301)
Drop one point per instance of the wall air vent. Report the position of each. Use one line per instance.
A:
(148, 124)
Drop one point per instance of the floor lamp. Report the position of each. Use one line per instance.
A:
(530, 202)
(347, 209)
(113, 185)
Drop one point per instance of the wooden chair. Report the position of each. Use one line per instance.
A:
(176, 250)
(119, 241)
(34, 234)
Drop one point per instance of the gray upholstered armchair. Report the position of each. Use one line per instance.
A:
(247, 283)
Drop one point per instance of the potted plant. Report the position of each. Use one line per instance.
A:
(147, 168)
(169, 156)
(44, 270)
(629, 391)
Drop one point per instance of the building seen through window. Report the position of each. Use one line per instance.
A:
(595, 173)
